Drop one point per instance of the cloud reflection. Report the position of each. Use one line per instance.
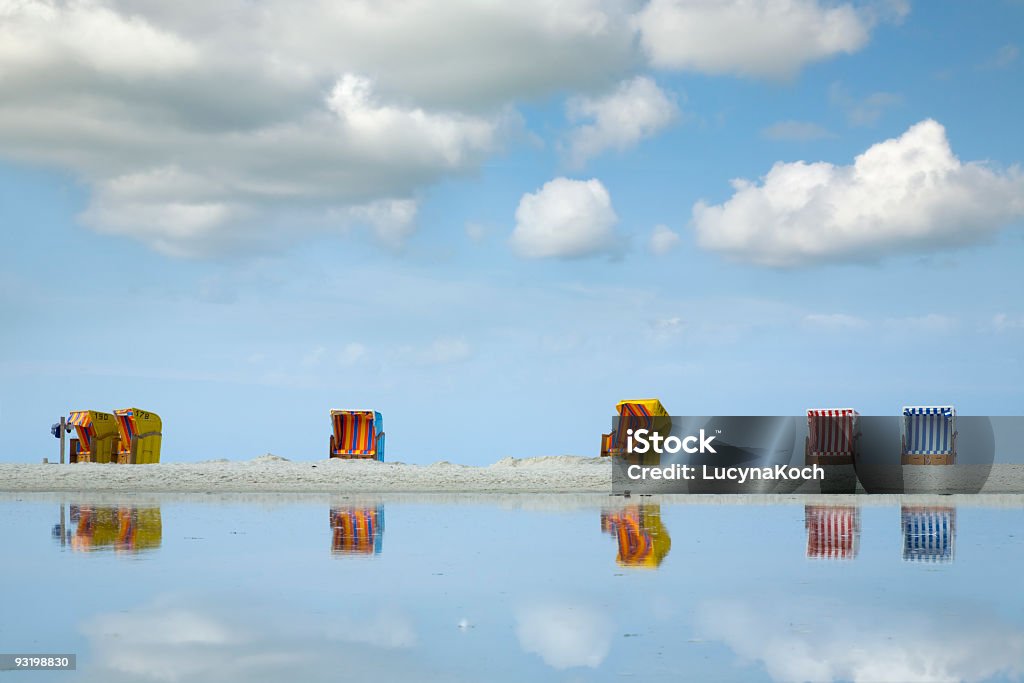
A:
(828, 641)
(565, 636)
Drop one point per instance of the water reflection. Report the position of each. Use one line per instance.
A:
(833, 531)
(929, 533)
(121, 528)
(642, 537)
(357, 530)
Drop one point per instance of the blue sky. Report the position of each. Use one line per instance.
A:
(240, 219)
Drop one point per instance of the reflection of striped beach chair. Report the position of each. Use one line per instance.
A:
(357, 434)
(833, 532)
(642, 538)
(357, 530)
(929, 435)
(831, 436)
(97, 436)
(929, 533)
(140, 436)
(646, 413)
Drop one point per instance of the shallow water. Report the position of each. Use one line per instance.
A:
(511, 589)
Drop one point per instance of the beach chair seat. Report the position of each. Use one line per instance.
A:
(140, 436)
(97, 436)
(357, 434)
(929, 533)
(831, 436)
(929, 435)
(646, 413)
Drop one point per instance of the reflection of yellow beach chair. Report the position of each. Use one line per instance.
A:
(97, 436)
(357, 530)
(642, 538)
(140, 436)
(357, 434)
(644, 413)
(833, 532)
(122, 529)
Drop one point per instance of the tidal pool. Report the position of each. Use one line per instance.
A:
(512, 588)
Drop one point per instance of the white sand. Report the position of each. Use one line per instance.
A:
(271, 474)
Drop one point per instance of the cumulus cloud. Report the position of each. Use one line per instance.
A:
(906, 193)
(663, 240)
(761, 38)
(565, 219)
(856, 645)
(203, 127)
(565, 636)
(635, 110)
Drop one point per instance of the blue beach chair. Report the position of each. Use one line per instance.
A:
(929, 533)
(929, 435)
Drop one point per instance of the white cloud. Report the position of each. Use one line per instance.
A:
(796, 131)
(663, 240)
(352, 353)
(798, 643)
(447, 350)
(200, 128)
(635, 110)
(1004, 57)
(565, 636)
(907, 193)
(565, 219)
(834, 321)
(772, 38)
(1001, 322)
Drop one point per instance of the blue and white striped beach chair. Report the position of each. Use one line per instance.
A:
(929, 435)
(929, 533)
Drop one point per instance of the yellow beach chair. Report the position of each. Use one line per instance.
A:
(641, 413)
(140, 436)
(97, 436)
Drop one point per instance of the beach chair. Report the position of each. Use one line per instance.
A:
(97, 436)
(123, 529)
(645, 413)
(929, 435)
(929, 533)
(357, 434)
(357, 530)
(833, 531)
(139, 436)
(642, 538)
(831, 436)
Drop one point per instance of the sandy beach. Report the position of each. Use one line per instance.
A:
(272, 474)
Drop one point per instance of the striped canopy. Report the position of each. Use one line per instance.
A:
(928, 430)
(833, 532)
(355, 431)
(831, 430)
(80, 418)
(929, 534)
(357, 530)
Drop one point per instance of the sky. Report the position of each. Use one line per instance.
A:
(493, 221)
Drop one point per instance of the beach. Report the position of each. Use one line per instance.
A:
(547, 474)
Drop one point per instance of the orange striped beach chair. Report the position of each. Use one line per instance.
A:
(357, 434)
(644, 413)
(357, 530)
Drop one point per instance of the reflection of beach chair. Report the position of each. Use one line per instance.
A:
(647, 413)
(929, 435)
(122, 529)
(833, 532)
(642, 538)
(97, 436)
(831, 436)
(357, 530)
(357, 434)
(140, 436)
(929, 533)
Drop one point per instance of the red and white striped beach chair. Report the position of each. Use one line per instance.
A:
(833, 532)
(831, 436)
